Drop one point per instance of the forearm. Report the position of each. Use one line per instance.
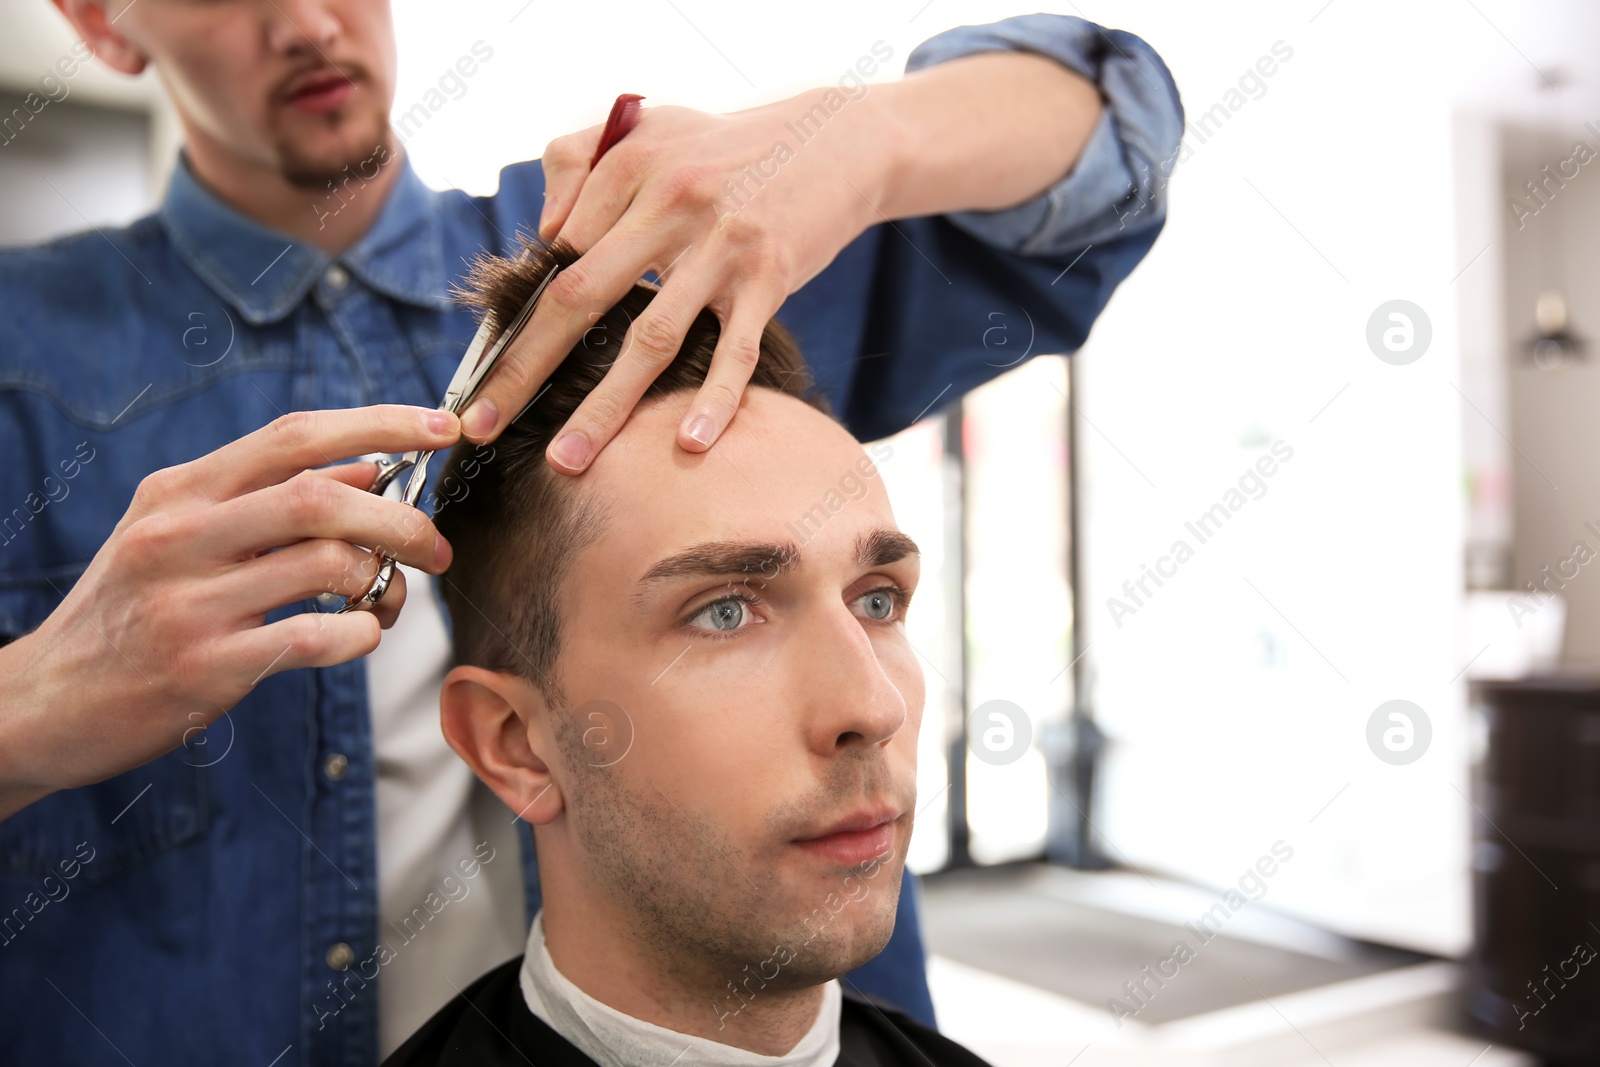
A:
(979, 133)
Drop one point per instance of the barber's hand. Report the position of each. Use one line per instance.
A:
(726, 216)
(165, 631)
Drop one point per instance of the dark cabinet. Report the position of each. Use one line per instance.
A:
(1534, 979)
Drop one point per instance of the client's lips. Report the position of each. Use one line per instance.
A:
(855, 839)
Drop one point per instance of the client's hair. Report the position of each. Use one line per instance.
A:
(514, 523)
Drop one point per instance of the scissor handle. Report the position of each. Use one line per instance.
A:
(375, 591)
(388, 471)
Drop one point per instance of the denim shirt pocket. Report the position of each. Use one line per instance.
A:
(126, 820)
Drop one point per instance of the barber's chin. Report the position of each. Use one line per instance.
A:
(338, 162)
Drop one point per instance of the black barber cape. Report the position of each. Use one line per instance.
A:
(490, 1025)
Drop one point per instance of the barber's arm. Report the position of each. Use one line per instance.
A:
(736, 212)
(1117, 186)
(166, 630)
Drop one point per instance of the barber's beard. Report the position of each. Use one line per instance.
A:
(316, 171)
(703, 907)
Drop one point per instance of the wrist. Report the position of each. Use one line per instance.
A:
(888, 151)
(862, 136)
(18, 683)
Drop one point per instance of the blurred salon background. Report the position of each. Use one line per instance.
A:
(1263, 626)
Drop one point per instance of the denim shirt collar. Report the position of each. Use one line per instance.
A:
(265, 274)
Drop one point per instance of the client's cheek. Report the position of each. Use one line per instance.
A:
(601, 734)
(714, 746)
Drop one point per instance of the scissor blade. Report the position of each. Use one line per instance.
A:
(419, 477)
(485, 351)
(461, 381)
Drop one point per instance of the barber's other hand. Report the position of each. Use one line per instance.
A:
(732, 212)
(166, 629)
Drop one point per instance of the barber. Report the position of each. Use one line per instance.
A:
(219, 802)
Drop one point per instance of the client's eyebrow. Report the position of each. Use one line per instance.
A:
(769, 559)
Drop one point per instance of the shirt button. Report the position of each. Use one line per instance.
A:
(327, 599)
(340, 956)
(335, 766)
(336, 276)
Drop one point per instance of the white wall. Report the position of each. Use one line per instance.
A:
(1552, 411)
(1238, 696)
(556, 68)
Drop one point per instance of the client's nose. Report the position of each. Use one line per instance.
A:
(850, 698)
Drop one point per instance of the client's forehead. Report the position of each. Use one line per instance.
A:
(781, 472)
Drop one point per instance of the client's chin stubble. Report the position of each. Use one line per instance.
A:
(699, 904)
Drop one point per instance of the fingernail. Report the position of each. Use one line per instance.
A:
(441, 552)
(480, 417)
(571, 450)
(545, 214)
(439, 421)
(702, 430)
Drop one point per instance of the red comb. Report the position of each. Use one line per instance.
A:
(624, 117)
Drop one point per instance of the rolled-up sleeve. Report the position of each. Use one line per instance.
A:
(1119, 183)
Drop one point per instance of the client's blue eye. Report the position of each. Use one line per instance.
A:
(879, 600)
(725, 614)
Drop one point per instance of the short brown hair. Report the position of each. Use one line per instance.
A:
(514, 523)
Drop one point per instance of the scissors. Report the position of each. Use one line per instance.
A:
(482, 354)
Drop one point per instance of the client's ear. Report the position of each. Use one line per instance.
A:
(487, 717)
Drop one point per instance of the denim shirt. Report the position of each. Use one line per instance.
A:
(183, 912)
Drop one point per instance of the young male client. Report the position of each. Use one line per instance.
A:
(710, 724)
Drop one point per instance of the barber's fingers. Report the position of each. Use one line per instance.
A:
(309, 639)
(359, 474)
(651, 344)
(289, 444)
(574, 301)
(348, 574)
(308, 506)
(622, 182)
(738, 348)
(566, 169)
(300, 571)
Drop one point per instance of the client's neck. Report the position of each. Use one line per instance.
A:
(609, 958)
